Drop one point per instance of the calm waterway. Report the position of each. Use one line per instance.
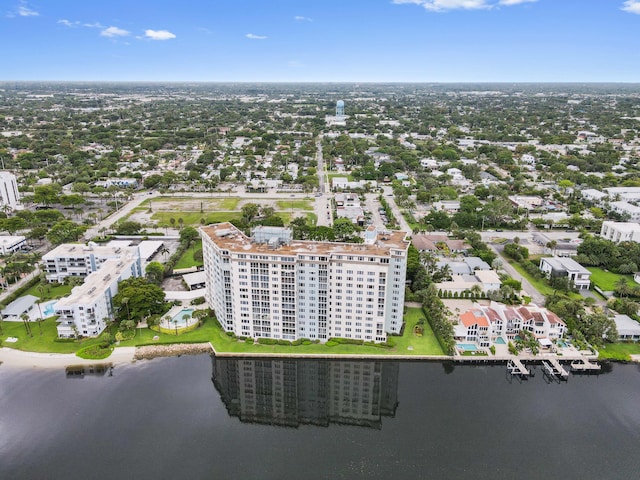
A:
(205, 418)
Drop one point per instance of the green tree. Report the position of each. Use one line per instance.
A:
(154, 272)
(65, 231)
(138, 298)
(46, 194)
(188, 235)
(250, 211)
(128, 227)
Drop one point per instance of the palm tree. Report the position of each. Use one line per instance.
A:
(622, 288)
(25, 319)
(551, 245)
(164, 251)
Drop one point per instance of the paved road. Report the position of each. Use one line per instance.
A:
(372, 204)
(121, 213)
(536, 296)
(389, 197)
(323, 207)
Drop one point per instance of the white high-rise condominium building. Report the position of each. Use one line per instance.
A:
(272, 286)
(9, 196)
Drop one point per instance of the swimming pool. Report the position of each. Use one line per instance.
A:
(500, 341)
(181, 318)
(49, 309)
(468, 347)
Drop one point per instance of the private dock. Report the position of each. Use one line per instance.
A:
(585, 366)
(516, 367)
(554, 369)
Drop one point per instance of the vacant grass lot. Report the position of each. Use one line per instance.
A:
(193, 218)
(295, 204)
(619, 351)
(607, 280)
(187, 260)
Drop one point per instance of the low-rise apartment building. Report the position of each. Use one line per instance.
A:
(86, 311)
(620, 231)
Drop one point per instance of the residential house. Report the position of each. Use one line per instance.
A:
(566, 267)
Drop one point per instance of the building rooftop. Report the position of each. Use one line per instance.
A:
(81, 250)
(227, 236)
(566, 263)
(94, 284)
(19, 306)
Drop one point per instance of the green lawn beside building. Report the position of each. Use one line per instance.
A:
(607, 280)
(407, 344)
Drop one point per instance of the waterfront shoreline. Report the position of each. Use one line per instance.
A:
(127, 355)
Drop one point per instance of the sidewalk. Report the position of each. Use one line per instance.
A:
(20, 283)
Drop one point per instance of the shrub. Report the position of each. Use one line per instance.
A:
(248, 341)
(97, 351)
(267, 341)
(492, 348)
(198, 301)
(284, 342)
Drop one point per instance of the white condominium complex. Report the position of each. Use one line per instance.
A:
(9, 196)
(85, 312)
(272, 286)
(77, 260)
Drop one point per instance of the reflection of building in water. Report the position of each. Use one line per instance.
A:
(293, 392)
(80, 371)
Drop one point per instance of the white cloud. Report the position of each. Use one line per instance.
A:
(114, 32)
(22, 10)
(93, 25)
(252, 36)
(515, 2)
(68, 23)
(300, 18)
(631, 6)
(159, 34)
(444, 5)
(25, 11)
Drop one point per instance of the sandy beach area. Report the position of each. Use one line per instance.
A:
(10, 357)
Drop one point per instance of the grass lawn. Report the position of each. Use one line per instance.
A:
(50, 291)
(215, 203)
(187, 260)
(350, 177)
(210, 331)
(619, 351)
(425, 345)
(193, 218)
(44, 343)
(607, 280)
(295, 204)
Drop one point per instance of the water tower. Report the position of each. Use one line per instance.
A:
(340, 109)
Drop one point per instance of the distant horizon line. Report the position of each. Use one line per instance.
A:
(339, 82)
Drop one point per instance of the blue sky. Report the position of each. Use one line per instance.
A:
(321, 40)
